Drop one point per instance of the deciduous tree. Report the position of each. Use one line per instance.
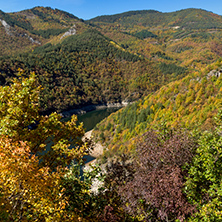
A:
(34, 153)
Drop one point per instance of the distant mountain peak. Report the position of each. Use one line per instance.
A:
(39, 10)
(190, 18)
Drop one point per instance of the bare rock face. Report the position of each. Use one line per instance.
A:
(32, 40)
(214, 73)
(7, 27)
(71, 31)
(98, 148)
(13, 32)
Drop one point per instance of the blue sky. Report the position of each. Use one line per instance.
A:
(87, 9)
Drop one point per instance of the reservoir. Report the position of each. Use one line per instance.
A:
(90, 119)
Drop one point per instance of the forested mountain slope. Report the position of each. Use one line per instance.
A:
(191, 102)
(28, 29)
(108, 59)
(187, 19)
(84, 68)
(191, 37)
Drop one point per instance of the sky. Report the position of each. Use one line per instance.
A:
(87, 9)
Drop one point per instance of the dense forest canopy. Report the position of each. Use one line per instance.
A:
(162, 153)
(188, 18)
(89, 68)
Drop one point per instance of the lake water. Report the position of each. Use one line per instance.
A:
(90, 119)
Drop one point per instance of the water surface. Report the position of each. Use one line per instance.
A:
(90, 119)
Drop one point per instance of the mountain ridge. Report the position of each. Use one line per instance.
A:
(168, 67)
(162, 18)
(120, 62)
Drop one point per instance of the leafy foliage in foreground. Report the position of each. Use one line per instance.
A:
(28, 190)
(102, 204)
(156, 191)
(203, 185)
(151, 182)
(20, 121)
(31, 173)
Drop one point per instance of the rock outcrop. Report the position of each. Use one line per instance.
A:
(71, 31)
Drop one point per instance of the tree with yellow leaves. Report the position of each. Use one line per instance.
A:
(34, 153)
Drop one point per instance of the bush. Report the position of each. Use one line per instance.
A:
(156, 191)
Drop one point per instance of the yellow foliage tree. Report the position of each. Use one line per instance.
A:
(29, 191)
(30, 170)
(20, 121)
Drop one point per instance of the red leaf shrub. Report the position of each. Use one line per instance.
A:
(156, 192)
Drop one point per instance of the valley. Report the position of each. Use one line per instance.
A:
(162, 150)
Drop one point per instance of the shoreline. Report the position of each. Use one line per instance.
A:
(98, 148)
(89, 108)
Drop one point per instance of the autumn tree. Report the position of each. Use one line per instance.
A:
(203, 186)
(34, 151)
(155, 193)
(29, 191)
(20, 120)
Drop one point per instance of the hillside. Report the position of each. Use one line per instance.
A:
(108, 59)
(163, 152)
(186, 19)
(86, 67)
(24, 31)
(192, 37)
(191, 102)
